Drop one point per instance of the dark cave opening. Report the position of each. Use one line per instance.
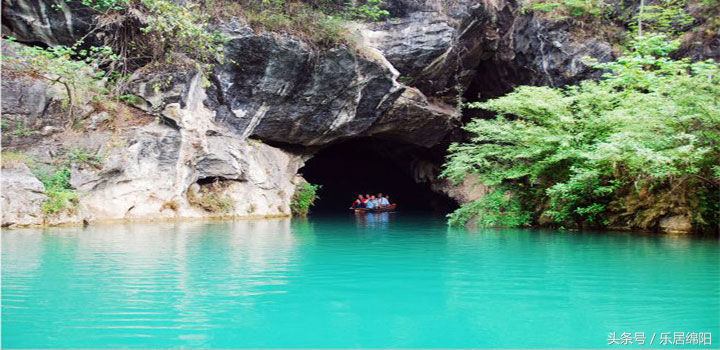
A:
(369, 166)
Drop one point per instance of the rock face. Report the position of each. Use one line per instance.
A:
(31, 109)
(411, 43)
(47, 22)
(276, 88)
(22, 196)
(494, 49)
(156, 170)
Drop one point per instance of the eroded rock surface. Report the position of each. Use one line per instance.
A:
(277, 88)
(148, 171)
(45, 21)
(22, 196)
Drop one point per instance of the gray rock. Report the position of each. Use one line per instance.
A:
(31, 109)
(423, 123)
(554, 55)
(22, 196)
(413, 42)
(278, 89)
(495, 49)
(46, 21)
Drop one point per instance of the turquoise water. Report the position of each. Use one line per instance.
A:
(384, 281)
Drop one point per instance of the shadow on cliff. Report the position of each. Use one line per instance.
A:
(372, 165)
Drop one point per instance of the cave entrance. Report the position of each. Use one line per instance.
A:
(370, 165)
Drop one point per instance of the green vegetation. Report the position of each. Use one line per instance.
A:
(640, 143)
(667, 16)
(320, 22)
(314, 26)
(303, 198)
(565, 9)
(73, 68)
(500, 208)
(56, 178)
(176, 28)
(369, 10)
(619, 22)
(98, 5)
(21, 130)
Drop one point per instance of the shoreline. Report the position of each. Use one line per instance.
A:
(230, 218)
(149, 221)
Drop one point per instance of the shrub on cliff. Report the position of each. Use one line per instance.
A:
(321, 23)
(640, 144)
(76, 70)
(55, 177)
(303, 198)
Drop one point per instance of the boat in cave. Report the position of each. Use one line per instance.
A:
(388, 208)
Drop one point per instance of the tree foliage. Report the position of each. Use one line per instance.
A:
(650, 126)
(499, 208)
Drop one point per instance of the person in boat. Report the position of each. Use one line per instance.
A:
(359, 202)
(382, 201)
(371, 203)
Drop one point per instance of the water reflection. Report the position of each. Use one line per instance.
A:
(138, 280)
(373, 220)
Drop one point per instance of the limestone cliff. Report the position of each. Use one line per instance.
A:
(243, 132)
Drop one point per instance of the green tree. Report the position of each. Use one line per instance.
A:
(610, 151)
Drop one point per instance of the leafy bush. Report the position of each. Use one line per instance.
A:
(177, 28)
(581, 12)
(667, 16)
(98, 5)
(303, 198)
(369, 10)
(316, 27)
(497, 209)
(568, 8)
(21, 130)
(647, 128)
(56, 178)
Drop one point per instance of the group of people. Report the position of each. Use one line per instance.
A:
(371, 202)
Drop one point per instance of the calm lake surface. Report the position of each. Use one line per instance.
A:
(397, 280)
